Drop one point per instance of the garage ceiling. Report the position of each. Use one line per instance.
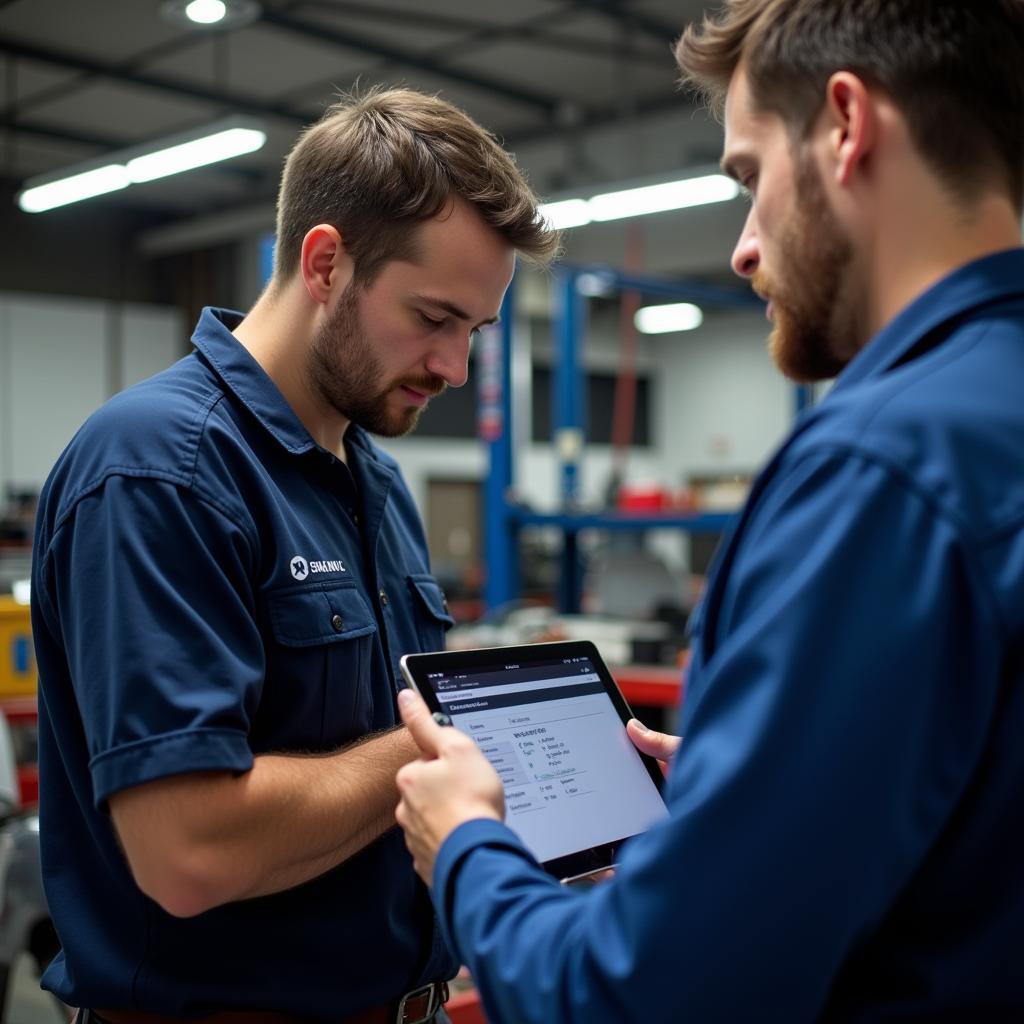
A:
(583, 91)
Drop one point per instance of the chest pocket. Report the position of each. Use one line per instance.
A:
(317, 691)
(433, 619)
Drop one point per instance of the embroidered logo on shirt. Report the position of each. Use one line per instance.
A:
(300, 568)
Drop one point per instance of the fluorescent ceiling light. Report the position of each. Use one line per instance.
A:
(672, 195)
(188, 155)
(71, 189)
(206, 12)
(676, 316)
(636, 202)
(569, 213)
(183, 152)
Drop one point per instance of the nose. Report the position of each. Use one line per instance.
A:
(746, 257)
(449, 359)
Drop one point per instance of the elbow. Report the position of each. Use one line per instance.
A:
(181, 900)
(183, 887)
(175, 849)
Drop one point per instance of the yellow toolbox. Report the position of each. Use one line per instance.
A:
(17, 656)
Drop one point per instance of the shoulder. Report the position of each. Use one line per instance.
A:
(949, 423)
(151, 430)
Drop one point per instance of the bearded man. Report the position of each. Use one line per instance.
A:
(227, 570)
(843, 841)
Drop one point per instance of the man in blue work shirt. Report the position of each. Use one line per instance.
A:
(844, 839)
(227, 570)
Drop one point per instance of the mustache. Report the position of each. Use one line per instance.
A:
(430, 385)
(760, 284)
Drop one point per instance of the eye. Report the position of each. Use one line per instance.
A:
(430, 321)
(749, 186)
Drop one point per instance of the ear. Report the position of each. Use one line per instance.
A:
(324, 263)
(852, 119)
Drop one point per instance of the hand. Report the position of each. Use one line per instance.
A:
(451, 783)
(659, 745)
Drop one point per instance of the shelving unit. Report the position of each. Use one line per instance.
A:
(503, 518)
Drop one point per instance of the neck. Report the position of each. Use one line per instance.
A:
(918, 246)
(278, 333)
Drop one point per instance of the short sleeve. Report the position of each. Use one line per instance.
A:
(150, 588)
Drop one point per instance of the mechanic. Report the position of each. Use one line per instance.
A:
(226, 571)
(843, 841)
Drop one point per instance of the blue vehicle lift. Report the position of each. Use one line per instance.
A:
(503, 519)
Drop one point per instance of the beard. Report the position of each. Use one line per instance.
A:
(345, 371)
(817, 321)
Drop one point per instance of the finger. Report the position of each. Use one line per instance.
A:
(416, 715)
(655, 744)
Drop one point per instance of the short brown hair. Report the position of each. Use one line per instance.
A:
(952, 67)
(378, 165)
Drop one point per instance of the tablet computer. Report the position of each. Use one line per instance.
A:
(552, 722)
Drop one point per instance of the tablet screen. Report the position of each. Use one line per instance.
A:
(572, 778)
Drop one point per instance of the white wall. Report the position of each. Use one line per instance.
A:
(61, 358)
(723, 405)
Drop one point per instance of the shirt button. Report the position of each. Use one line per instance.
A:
(337, 623)
(355, 518)
(383, 598)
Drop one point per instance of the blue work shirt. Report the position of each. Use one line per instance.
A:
(209, 585)
(844, 841)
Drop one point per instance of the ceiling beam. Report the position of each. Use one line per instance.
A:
(229, 100)
(535, 30)
(55, 134)
(590, 121)
(66, 86)
(684, 100)
(662, 31)
(104, 143)
(507, 91)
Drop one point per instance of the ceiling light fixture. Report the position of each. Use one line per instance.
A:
(71, 188)
(210, 14)
(206, 12)
(638, 202)
(232, 137)
(185, 156)
(667, 319)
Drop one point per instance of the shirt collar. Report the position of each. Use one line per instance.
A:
(984, 281)
(247, 380)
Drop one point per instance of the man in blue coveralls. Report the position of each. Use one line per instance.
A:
(227, 570)
(844, 837)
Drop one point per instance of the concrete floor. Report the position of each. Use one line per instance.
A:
(27, 1003)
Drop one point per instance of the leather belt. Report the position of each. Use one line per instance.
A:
(416, 1007)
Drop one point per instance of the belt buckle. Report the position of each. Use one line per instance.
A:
(435, 1000)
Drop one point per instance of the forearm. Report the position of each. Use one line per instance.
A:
(524, 938)
(197, 841)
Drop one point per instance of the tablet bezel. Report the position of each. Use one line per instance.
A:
(415, 668)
